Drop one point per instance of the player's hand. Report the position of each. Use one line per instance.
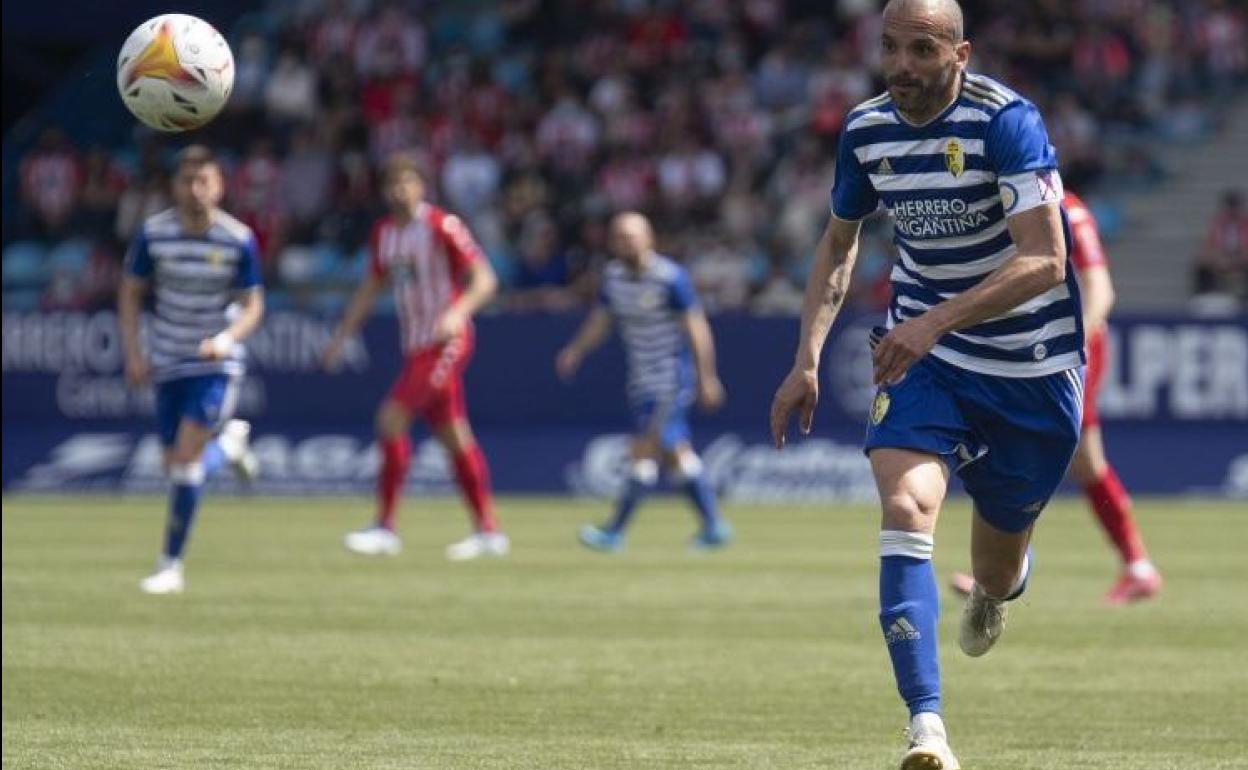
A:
(138, 370)
(711, 394)
(217, 347)
(567, 362)
(800, 391)
(450, 325)
(904, 344)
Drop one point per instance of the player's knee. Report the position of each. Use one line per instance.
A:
(686, 466)
(907, 512)
(645, 471)
(456, 437)
(390, 421)
(186, 473)
(1087, 465)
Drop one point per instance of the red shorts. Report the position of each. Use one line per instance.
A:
(431, 385)
(1092, 378)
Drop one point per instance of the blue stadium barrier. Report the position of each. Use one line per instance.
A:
(1174, 405)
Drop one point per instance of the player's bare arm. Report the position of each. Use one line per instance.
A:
(1039, 264)
(702, 342)
(251, 306)
(480, 287)
(358, 309)
(1097, 289)
(825, 292)
(593, 333)
(129, 305)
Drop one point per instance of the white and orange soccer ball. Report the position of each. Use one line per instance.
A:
(175, 72)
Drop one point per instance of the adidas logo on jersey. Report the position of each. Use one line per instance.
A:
(884, 168)
(901, 631)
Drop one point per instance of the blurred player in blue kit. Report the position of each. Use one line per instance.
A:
(671, 363)
(203, 268)
(980, 367)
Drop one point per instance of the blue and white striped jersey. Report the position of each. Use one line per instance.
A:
(195, 279)
(647, 307)
(950, 185)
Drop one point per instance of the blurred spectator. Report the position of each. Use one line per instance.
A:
(778, 294)
(471, 178)
(147, 196)
(691, 175)
(1222, 266)
(307, 180)
(256, 196)
(568, 134)
(291, 94)
(251, 74)
(333, 34)
(1073, 131)
(51, 184)
(390, 44)
(541, 277)
(103, 183)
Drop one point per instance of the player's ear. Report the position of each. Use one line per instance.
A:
(962, 52)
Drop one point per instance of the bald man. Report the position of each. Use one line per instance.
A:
(979, 362)
(671, 361)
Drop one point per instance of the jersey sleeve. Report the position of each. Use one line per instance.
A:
(138, 258)
(681, 294)
(1017, 149)
(248, 271)
(853, 195)
(1086, 251)
(461, 248)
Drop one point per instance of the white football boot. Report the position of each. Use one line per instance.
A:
(983, 620)
(235, 441)
(373, 541)
(479, 544)
(167, 579)
(929, 745)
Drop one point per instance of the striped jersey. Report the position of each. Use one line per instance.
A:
(425, 259)
(648, 307)
(949, 186)
(195, 279)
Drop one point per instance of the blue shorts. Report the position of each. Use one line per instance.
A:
(208, 400)
(1010, 440)
(666, 419)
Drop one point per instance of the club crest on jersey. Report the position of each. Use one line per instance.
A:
(216, 257)
(650, 300)
(879, 407)
(955, 159)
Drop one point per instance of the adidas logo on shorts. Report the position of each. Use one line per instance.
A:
(901, 631)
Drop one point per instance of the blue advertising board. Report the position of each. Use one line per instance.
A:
(1174, 404)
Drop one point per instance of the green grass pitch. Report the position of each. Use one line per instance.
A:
(288, 652)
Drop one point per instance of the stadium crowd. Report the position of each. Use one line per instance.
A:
(538, 118)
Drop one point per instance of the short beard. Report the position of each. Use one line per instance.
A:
(929, 100)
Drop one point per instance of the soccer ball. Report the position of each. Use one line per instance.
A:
(175, 72)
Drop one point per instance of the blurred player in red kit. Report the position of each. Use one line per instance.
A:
(1090, 468)
(440, 279)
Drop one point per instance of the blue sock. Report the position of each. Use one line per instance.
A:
(699, 491)
(213, 458)
(183, 500)
(909, 610)
(644, 476)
